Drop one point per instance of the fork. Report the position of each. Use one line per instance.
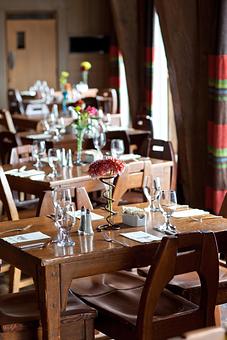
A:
(16, 229)
(110, 239)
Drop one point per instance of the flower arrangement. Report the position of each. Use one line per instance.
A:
(85, 66)
(83, 125)
(106, 167)
(63, 79)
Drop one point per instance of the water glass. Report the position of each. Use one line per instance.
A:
(54, 159)
(99, 140)
(38, 152)
(117, 147)
(66, 223)
(168, 204)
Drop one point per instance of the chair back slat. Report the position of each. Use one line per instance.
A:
(167, 262)
(20, 154)
(7, 197)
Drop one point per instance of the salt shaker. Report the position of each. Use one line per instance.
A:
(69, 158)
(82, 221)
(88, 226)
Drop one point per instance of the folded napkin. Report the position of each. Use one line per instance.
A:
(190, 213)
(40, 136)
(28, 173)
(141, 236)
(94, 217)
(37, 235)
(130, 156)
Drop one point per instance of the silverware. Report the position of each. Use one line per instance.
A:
(16, 229)
(33, 245)
(205, 217)
(110, 239)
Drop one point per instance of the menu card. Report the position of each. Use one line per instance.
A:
(141, 236)
(37, 235)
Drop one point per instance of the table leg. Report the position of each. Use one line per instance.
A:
(48, 288)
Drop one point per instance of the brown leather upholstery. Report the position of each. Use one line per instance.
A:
(20, 311)
(147, 309)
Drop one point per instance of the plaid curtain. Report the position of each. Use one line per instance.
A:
(114, 67)
(217, 121)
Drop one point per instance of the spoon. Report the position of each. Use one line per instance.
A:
(109, 239)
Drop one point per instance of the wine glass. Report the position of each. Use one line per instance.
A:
(168, 204)
(54, 158)
(99, 140)
(66, 223)
(38, 151)
(151, 194)
(117, 147)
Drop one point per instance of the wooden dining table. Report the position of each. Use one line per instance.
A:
(76, 176)
(53, 267)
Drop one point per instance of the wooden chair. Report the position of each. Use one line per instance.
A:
(8, 140)
(8, 121)
(107, 100)
(21, 154)
(163, 150)
(15, 101)
(20, 318)
(117, 135)
(132, 178)
(148, 310)
(144, 122)
(15, 281)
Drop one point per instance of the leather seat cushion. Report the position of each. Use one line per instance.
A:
(22, 307)
(104, 283)
(122, 305)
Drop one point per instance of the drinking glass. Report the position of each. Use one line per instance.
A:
(151, 195)
(99, 140)
(168, 204)
(38, 151)
(54, 158)
(66, 223)
(117, 147)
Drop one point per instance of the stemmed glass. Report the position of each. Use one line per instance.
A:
(38, 151)
(151, 194)
(54, 158)
(66, 223)
(117, 147)
(168, 204)
(99, 140)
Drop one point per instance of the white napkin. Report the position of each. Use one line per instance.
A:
(94, 217)
(130, 156)
(28, 173)
(190, 213)
(141, 236)
(37, 235)
(40, 136)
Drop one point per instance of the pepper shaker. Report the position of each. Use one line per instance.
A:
(88, 226)
(63, 158)
(82, 221)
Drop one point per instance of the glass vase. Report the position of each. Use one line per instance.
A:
(80, 136)
(84, 76)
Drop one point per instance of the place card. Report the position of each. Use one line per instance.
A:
(37, 235)
(190, 213)
(141, 236)
(94, 217)
(40, 136)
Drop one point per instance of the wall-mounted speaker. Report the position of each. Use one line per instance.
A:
(89, 44)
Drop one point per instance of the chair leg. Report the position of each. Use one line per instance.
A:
(217, 316)
(14, 279)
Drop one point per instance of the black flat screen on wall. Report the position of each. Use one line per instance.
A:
(98, 44)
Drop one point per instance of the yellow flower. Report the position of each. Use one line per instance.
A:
(85, 66)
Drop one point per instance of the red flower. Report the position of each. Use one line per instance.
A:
(106, 167)
(92, 111)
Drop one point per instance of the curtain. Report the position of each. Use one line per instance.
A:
(187, 28)
(217, 120)
(133, 20)
(114, 66)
